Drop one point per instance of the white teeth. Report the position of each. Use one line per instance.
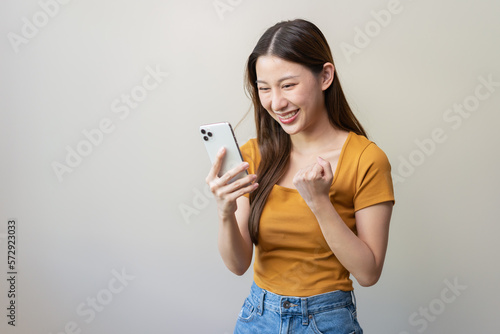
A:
(290, 115)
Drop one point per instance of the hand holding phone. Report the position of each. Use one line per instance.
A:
(228, 178)
(219, 135)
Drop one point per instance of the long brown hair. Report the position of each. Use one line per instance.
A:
(301, 42)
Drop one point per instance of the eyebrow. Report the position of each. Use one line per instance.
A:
(280, 80)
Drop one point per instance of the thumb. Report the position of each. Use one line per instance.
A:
(326, 167)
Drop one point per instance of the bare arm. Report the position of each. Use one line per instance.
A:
(362, 255)
(235, 245)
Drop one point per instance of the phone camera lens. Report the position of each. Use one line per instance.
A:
(205, 138)
(203, 131)
(209, 134)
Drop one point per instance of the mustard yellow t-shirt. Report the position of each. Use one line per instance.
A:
(292, 257)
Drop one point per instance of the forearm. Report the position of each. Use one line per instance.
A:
(351, 251)
(233, 248)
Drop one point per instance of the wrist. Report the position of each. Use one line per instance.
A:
(320, 204)
(226, 217)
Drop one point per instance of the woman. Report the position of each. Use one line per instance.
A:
(318, 198)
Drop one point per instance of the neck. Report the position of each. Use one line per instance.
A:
(319, 137)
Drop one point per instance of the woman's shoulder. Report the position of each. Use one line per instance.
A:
(251, 147)
(358, 141)
(251, 142)
(371, 173)
(250, 153)
(362, 149)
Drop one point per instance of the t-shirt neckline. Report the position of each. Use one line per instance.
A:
(337, 168)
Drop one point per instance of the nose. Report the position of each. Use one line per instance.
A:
(279, 102)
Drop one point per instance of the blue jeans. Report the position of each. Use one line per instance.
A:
(264, 312)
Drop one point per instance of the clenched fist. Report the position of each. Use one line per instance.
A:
(313, 182)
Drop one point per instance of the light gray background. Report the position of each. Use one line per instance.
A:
(121, 209)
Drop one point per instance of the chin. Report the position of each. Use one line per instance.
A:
(291, 130)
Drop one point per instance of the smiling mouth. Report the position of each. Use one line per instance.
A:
(288, 115)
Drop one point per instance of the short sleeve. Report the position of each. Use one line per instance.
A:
(249, 154)
(373, 178)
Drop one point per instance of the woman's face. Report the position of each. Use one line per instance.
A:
(291, 93)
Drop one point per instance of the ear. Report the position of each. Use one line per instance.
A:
(327, 75)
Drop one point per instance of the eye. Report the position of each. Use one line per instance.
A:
(286, 86)
(263, 89)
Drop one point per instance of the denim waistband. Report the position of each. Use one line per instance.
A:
(305, 306)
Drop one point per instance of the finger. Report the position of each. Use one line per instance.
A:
(214, 185)
(246, 190)
(312, 175)
(310, 172)
(238, 188)
(214, 171)
(300, 178)
(317, 171)
(233, 172)
(241, 183)
(326, 167)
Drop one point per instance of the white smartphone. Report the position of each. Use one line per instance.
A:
(217, 135)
